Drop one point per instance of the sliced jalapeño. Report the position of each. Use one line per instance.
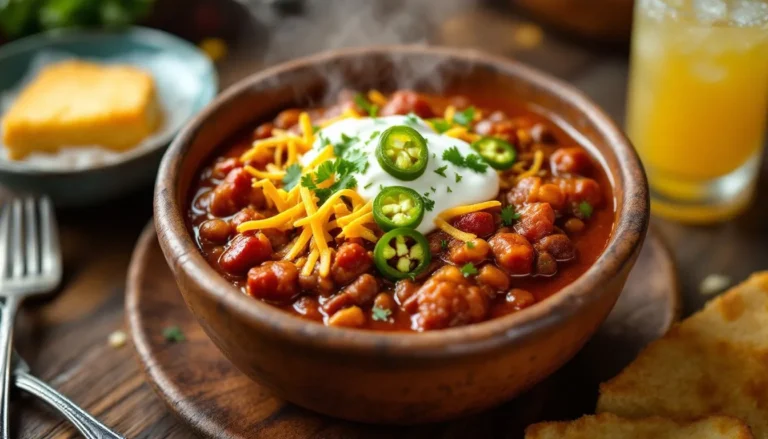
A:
(402, 152)
(498, 153)
(402, 253)
(398, 206)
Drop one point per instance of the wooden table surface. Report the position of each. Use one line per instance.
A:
(64, 338)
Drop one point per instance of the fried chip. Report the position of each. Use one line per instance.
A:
(609, 426)
(715, 362)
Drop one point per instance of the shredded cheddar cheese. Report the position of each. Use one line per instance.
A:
(377, 98)
(450, 112)
(538, 159)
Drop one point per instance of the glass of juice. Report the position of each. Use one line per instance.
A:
(697, 103)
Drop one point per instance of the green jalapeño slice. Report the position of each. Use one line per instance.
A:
(401, 253)
(402, 152)
(496, 152)
(398, 206)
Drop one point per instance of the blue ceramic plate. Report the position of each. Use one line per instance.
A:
(186, 81)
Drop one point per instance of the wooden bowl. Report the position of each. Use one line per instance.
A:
(389, 377)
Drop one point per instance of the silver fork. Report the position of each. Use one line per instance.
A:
(84, 422)
(30, 264)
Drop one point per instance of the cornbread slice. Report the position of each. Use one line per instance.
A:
(715, 362)
(75, 103)
(608, 426)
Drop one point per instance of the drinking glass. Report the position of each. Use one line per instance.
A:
(697, 103)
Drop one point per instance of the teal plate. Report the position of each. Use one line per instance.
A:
(185, 79)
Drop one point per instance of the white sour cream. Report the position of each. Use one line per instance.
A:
(473, 188)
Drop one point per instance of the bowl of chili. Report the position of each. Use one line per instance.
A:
(397, 256)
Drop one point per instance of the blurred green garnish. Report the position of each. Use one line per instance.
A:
(23, 17)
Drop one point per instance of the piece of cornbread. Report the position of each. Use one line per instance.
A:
(75, 103)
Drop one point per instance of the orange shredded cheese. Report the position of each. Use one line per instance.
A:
(453, 231)
(318, 235)
(265, 175)
(324, 155)
(299, 245)
(450, 112)
(462, 210)
(538, 159)
(309, 266)
(271, 222)
(272, 193)
(306, 128)
(377, 98)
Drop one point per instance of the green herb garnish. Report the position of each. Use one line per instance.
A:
(428, 204)
(292, 176)
(465, 118)
(444, 244)
(585, 209)
(470, 244)
(366, 106)
(340, 169)
(441, 171)
(458, 178)
(381, 314)
(449, 190)
(509, 216)
(440, 125)
(173, 334)
(468, 269)
(472, 161)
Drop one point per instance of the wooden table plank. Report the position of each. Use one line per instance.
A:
(64, 338)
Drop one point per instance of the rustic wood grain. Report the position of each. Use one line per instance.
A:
(200, 385)
(64, 338)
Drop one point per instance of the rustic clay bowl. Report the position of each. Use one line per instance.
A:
(388, 377)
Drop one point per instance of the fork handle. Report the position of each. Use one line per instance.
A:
(6, 339)
(85, 423)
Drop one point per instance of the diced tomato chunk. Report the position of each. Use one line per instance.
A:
(479, 223)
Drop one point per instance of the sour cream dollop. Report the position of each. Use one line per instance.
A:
(469, 187)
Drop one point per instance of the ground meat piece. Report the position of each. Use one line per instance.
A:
(404, 102)
(274, 281)
(215, 230)
(350, 262)
(360, 292)
(536, 221)
(559, 246)
(513, 253)
(438, 242)
(234, 193)
(263, 131)
(572, 160)
(316, 284)
(545, 264)
(244, 252)
(520, 298)
(525, 191)
(352, 317)
(287, 118)
(577, 190)
(404, 289)
(223, 167)
(493, 277)
(474, 251)
(308, 307)
(478, 223)
(444, 304)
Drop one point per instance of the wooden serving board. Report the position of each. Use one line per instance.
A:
(205, 390)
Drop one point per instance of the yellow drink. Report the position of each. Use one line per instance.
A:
(697, 104)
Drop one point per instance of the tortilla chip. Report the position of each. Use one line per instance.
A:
(609, 426)
(715, 362)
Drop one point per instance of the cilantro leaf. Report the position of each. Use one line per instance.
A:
(449, 190)
(476, 163)
(470, 244)
(173, 334)
(368, 185)
(458, 178)
(433, 189)
(440, 125)
(346, 142)
(292, 176)
(428, 204)
(453, 155)
(340, 169)
(412, 119)
(441, 171)
(315, 129)
(465, 118)
(468, 269)
(366, 106)
(444, 244)
(380, 314)
(509, 216)
(585, 209)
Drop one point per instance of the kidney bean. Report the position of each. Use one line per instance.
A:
(215, 230)
(537, 220)
(287, 118)
(559, 246)
(244, 252)
(406, 101)
(545, 264)
(350, 262)
(360, 292)
(572, 160)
